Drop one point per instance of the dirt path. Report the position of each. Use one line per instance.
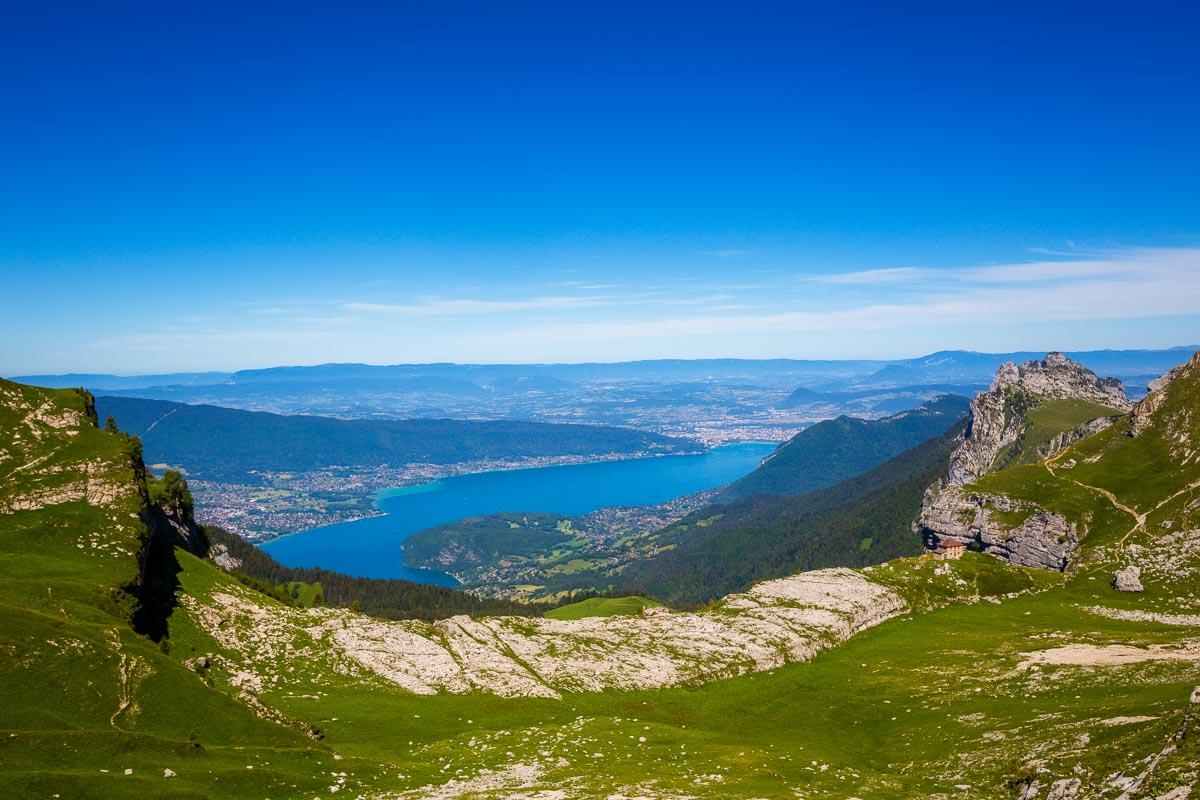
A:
(1139, 518)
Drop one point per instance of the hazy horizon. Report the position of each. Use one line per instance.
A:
(1181, 347)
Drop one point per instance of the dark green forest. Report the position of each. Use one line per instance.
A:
(391, 599)
(838, 448)
(486, 539)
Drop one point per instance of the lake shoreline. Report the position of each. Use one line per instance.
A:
(436, 482)
(373, 545)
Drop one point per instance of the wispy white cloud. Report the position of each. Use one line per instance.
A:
(468, 307)
(874, 307)
(169, 341)
(1130, 284)
(1113, 264)
(889, 275)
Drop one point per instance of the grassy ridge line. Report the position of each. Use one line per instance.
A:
(603, 607)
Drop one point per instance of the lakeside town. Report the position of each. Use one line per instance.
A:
(288, 502)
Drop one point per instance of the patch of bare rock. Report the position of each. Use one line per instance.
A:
(1145, 616)
(780, 621)
(1128, 579)
(1109, 655)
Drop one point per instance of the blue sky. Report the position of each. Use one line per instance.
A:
(218, 186)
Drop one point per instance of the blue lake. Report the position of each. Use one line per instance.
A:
(371, 548)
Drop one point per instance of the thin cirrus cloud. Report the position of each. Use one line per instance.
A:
(468, 307)
(732, 252)
(1115, 264)
(1125, 285)
(783, 314)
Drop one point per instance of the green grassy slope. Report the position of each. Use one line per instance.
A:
(603, 607)
(83, 698)
(836, 449)
(870, 719)
(1043, 423)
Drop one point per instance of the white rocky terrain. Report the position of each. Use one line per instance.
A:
(780, 621)
(52, 476)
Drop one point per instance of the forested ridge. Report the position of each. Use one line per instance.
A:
(392, 599)
(837, 448)
(728, 547)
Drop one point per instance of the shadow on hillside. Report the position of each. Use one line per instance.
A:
(157, 592)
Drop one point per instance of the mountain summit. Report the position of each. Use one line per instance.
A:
(1001, 430)
(1020, 430)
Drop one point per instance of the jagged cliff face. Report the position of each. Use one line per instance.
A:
(1018, 532)
(999, 415)
(1001, 433)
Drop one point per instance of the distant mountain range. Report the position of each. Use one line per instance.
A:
(106, 382)
(950, 366)
(960, 366)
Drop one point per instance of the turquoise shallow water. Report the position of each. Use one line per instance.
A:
(371, 547)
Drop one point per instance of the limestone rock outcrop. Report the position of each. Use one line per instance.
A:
(1128, 580)
(997, 417)
(1018, 532)
(224, 559)
(774, 623)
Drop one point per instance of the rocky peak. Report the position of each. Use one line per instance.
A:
(998, 415)
(996, 436)
(1059, 377)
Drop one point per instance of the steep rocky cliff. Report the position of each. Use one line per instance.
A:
(1016, 531)
(999, 416)
(1030, 413)
(54, 459)
(1144, 411)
